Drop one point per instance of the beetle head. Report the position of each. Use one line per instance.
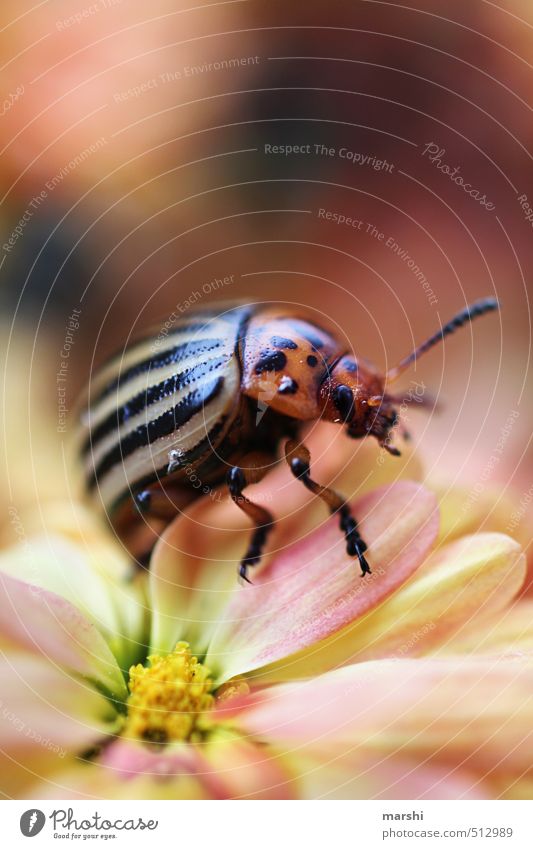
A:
(353, 394)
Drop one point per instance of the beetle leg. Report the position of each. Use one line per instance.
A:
(155, 504)
(238, 478)
(299, 460)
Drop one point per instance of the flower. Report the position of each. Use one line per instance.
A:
(413, 682)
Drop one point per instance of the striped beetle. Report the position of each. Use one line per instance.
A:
(215, 398)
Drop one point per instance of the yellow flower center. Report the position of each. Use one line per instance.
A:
(170, 698)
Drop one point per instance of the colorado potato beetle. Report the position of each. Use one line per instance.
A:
(212, 399)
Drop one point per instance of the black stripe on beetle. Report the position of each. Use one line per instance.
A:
(172, 333)
(188, 459)
(270, 361)
(169, 357)
(149, 396)
(165, 424)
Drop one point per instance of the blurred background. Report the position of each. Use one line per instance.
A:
(148, 151)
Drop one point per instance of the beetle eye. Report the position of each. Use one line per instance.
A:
(344, 402)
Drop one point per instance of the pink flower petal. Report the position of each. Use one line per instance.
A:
(57, 565)
(41, 703)
(129, 760)
(466, 511)
(313, 589)
(472, 712)
(461, 584)
(44, 623)
(96, 781)
(346, 772)
(511, 633)
(45, 713)
(226, 767)
(249, 770)
(77, 573)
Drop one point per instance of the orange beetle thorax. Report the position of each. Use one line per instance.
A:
(285, 360)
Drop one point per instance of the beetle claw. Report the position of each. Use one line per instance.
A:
(243, 573)
(355, 545)
(365, 568)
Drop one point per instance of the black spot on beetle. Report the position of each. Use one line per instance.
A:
(287, 386)
(344, 401)
(312, 360)
(270, 361)
(282, 342)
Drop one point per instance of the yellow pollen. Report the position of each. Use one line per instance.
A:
(169, 698)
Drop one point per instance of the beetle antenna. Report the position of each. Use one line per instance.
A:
(468, 314)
